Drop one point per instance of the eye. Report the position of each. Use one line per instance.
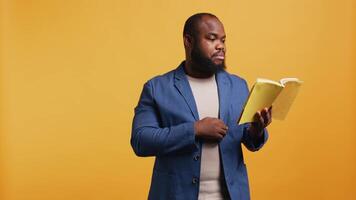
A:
(211, 37)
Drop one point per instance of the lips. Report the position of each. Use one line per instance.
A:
(219, 55)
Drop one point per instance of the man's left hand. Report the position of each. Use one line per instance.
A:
(262, 119)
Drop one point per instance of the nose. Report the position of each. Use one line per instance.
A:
(220, 46)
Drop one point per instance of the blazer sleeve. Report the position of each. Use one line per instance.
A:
(251, 143)
(148, 138)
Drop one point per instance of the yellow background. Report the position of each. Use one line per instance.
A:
(72, 71)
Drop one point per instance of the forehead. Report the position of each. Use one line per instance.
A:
(210, 24)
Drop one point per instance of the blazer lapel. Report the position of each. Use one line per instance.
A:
(223, 91)
(182, 84)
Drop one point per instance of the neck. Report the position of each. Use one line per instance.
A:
(189, 66)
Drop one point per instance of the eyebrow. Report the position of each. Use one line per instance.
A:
(216, 35)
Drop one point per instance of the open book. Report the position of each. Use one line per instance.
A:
(266, 93)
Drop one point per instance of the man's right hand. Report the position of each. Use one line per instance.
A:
(210, 128)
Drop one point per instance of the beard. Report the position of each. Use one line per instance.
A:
(204, 65)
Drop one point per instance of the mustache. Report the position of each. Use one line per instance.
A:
(219, 53)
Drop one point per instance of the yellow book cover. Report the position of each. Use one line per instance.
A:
(265, 93)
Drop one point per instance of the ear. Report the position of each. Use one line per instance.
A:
(188, 41)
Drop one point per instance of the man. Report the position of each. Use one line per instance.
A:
(187, 118)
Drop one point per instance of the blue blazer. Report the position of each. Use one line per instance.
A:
(163, 126)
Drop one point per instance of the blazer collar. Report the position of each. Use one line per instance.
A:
(182, 84)
(224, 90)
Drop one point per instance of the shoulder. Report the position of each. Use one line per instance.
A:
(165, 78)
(162, 83)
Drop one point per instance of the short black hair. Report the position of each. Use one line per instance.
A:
(190, 26)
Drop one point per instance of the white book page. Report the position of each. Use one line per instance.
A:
(264, 80)
(284, 81)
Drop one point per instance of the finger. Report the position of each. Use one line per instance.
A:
(222, 131)
(256, 119)
(225, 127)
(221, 122)
(269, 116)
(266, 117)
(259, 119)
(257, 116)
(264, 111)
(222, 125)
(221, 136)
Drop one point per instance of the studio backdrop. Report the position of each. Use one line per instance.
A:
(71, 72)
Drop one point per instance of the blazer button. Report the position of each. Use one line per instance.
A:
(195, 181)
(196, 157)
